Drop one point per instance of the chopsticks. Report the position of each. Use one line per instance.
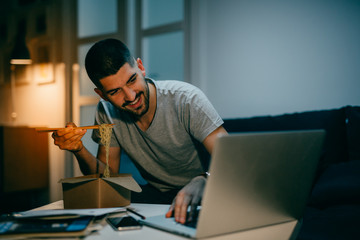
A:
(45, 129)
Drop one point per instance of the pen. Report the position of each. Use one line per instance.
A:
(136, 213)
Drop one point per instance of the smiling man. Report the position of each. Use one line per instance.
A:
(163, 126)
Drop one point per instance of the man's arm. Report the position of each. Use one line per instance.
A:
(192, 193)
(70, 139)
(209, 141)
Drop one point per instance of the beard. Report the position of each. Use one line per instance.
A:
(143, 109)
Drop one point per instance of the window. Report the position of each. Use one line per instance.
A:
(96, 17)
(152, 29)
(163, 39)
(95, 20)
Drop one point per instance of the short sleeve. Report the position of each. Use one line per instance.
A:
(199, 114)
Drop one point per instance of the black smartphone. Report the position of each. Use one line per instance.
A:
(123, 223)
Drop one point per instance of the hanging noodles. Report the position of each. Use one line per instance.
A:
(105, 136)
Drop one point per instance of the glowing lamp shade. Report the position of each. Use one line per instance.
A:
(20, 53)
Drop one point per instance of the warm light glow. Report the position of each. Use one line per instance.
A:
(20, 61)
(44, 72)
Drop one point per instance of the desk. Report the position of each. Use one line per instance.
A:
(278, 232)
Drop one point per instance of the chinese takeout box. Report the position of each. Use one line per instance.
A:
(93, 191)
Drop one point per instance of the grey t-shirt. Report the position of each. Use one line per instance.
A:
(165, 154)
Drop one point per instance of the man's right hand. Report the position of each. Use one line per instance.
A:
(69, 138)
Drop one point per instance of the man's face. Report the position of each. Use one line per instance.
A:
(127, 89)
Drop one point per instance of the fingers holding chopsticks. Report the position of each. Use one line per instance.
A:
(46, 129)
(69, 138)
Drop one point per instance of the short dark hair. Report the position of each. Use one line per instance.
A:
(105, 58)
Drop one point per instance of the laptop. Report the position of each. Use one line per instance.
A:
(256, 180)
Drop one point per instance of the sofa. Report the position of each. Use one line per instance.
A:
(333, 209)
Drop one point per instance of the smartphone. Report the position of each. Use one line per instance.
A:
(123, 223)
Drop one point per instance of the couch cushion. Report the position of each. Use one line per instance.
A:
(337, 222)
(339, 184)
(353, 132)
(333, 121)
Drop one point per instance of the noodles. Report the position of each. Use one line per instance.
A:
(105, 135)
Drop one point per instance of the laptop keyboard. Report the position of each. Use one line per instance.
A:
(193, 222)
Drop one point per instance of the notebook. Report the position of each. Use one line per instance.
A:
(256, 180)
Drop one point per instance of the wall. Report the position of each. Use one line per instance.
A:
(39, 105)
(271, 57)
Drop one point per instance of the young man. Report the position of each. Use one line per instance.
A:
(161, 125)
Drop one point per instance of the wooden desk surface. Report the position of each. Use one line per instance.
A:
(278, 232)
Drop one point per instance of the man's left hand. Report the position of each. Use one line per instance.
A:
(190, 195)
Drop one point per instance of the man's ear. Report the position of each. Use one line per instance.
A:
(141, 66)
(100, 93)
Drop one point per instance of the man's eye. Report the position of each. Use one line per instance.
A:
(132, 79)
(114, 92)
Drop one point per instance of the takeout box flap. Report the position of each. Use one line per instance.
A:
(80, 179)
(124, 180)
